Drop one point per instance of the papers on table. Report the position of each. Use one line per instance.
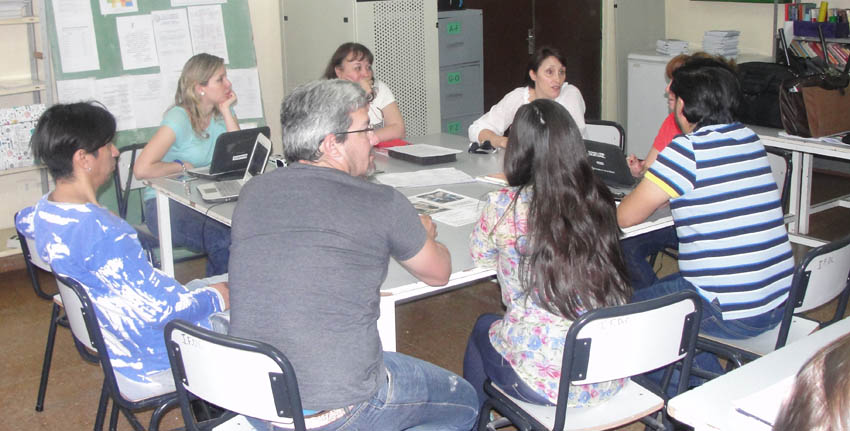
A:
(447, 207)
(758, 411)
(425, 178)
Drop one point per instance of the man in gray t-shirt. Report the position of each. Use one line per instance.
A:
(310, 248)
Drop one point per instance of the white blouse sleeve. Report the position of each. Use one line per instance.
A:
(501, 115)
(571, 99)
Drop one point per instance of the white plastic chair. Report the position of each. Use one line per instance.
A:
(241, 376)
(88, 335)
(821, 277)
(607, 344)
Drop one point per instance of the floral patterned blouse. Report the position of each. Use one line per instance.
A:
(528, 336)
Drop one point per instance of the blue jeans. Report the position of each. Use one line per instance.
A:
(637, 249)
(712, 323)
(196, 232)
(417, 395)
(482, 361)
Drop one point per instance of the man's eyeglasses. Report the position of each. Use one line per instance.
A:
(483, 148)
(367, 130)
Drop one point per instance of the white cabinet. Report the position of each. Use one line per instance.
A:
(647, 102)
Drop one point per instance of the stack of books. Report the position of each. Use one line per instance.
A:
(837, 53)
(671, 47)
(721, 42)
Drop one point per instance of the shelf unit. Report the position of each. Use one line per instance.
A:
(23, 84)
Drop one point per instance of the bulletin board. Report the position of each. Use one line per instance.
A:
(236, 23)
(237, 30)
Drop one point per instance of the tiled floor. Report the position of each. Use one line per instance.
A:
(434, 329)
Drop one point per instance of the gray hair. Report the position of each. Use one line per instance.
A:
(315, 109)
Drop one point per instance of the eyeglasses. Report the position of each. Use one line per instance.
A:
(483, 148)
(367, 130)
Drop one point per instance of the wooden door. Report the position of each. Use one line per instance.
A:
(574, 27)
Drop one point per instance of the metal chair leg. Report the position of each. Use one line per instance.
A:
(48, 357)
(101, 408)
(113, 417)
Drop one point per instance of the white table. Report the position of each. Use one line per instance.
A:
(802, 158)
(400, 286)
(710, 406)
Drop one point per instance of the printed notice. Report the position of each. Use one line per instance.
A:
(207, 29)
(173, 43)
(75, 35)
(135, 37)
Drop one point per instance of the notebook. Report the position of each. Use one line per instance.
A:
(223, 191)
(230, 154)
(610, 165)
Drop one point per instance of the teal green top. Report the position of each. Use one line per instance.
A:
(188, 146)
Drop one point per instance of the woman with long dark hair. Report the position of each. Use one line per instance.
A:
(553, 238)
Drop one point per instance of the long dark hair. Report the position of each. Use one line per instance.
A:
(573, 262)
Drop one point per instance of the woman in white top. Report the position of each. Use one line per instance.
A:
(546, 80)
(353, 62)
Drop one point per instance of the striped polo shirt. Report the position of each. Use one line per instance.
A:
(733, 245)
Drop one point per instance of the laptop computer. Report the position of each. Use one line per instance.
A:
(610, 165)
(230, 155)
(223, 191)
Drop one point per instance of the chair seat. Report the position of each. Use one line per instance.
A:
(630, 404)
(766, 342)
(237, 423)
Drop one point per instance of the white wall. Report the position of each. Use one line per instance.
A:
(265, 24)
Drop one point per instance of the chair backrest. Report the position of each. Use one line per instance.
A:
(125, 181)
(608, 132)
(242, 376)
(822, 275)
(780, 165)
(628, 340)
(75, 313)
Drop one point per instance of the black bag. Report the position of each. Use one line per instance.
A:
(760, 85)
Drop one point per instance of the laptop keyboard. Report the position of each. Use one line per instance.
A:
(229, 188)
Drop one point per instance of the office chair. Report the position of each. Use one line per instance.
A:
(606, 344)
(821, 277)
(608, 132)
(241, 376)
(87, 333)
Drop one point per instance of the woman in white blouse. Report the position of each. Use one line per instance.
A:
(546, 80)
(353, 62)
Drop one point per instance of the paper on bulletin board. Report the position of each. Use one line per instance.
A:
(177, 3)
(75, 90)
(207, 29)
(112, 7)
(173, 42)
(75, 34)
(135, 37)
(147, 99)
(246, 84)
(115, 94)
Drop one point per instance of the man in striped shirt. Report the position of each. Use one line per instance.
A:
(733, 246)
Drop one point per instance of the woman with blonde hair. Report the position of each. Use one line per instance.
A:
(186, 138)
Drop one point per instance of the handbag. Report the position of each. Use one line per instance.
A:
(817, 102)
(816, 105)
